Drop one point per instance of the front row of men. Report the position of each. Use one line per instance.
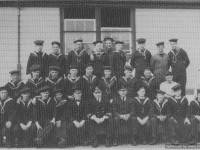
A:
(46, 120)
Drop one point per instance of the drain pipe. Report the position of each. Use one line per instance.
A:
(18, 40)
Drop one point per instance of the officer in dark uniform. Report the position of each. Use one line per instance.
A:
(15, 85)
(44, 116)
(72, 82)
(54, 80)
(61, 118)
(142, 114)
(128, 81)
(179, 110)
(7, 116)
(99, 59)
(35, 82)
(141, 58)
(179, 61)
(25, 129)
(118, 60)
(160, 111)
(78, 57)
(88, 82)
(99, 117)
(123, 115)
(56, 58)
(108, 83)
(78, 110)
(194, 117)
(38, 57)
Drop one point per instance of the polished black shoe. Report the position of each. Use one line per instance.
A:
(115, 142)
(144, 142)
(95, 144)
(108, 143)
(193, 142)
(153, 142)
(38, 141)
(133, 142)
(62, 143)
(16, 142)
(174, 142)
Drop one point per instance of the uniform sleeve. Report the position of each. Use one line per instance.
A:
(186, 59)
(149, 109)
(169, 110)
(29, 63)
(170, 59)
(46, 64)
(115, 108)
(186, 107)
(191, 110)
(152, 63)
(133, 59)
(133, 112)
(112, 61)
(12, 113)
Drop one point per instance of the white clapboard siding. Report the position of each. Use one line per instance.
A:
(38, 23)
(162, 24)
(8, 42)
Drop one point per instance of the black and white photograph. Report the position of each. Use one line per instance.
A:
(105, 74)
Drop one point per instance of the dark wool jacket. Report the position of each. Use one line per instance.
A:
(39, 59)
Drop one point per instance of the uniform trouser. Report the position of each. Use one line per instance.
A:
(47, 131)
(25, 135)
(194, 131)
(76, 134)
(93, 128)
(61, 132)
(143, 131)
(155, 122)
(180, 130)
(130, 124)
(180, 77)
(7, 132)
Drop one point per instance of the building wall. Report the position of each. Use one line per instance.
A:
(35, 23)
(162, 24)
(8, 42)
(38, 23)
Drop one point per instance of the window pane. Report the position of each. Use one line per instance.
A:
(79, 25)
(115, 17)
(75, 12)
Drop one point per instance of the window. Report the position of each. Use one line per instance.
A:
(79, 23)
(115, 23)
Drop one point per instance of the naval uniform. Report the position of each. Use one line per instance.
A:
(99, 108)
(79, 59)
(14, 88)
(59, 61)
(140, 61)
(179, 61)
(117, 62)
(34, 85)
(179, 111)
(24, 114)
(39, 58)
(142, 109)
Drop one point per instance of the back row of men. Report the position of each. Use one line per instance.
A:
(114, 56)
